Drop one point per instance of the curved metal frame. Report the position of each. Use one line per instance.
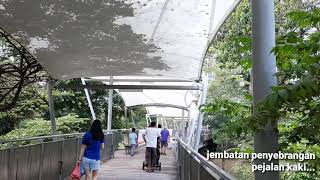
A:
(214, 33)
(160, 105)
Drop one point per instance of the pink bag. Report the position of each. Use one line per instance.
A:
(76, 175)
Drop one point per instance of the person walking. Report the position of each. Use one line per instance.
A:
(165, 135)
(133, 141)
(150, 137)
(89, 157)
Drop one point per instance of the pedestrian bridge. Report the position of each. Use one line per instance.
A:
(54, 157)
(151, 51)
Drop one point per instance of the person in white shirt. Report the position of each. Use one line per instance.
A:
(150, 137)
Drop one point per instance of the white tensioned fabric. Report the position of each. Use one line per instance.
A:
(182, 98)
(179, 98)
(86, 38)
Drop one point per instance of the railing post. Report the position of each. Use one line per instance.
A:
(41, 161)
(198, 169)
(61, 158)
(11, 163)
(78, 148)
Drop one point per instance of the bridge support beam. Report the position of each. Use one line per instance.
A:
(200, 117)
(182, 122)
(51, 108)
(93, 114)
(110, 101)
(264, 68)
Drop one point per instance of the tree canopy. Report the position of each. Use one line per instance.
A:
(294, 102)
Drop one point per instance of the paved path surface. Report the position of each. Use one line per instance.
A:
(122, 167)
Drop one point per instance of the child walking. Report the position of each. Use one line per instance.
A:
(133, 141)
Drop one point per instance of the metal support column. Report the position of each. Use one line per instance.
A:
(200, 118)
(186, 126)
(147, 119)
(264, 68)
(157, 119)
(162, 122)
(182, 124)
(191, 131)
(133, 123)
(166, 124)
(93, 115)
(109, 123)
(51, 107)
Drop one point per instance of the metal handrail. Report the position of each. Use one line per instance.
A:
(51, 136)
(39, 138)
(203, 161)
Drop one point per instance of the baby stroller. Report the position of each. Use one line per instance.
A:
(158, 163)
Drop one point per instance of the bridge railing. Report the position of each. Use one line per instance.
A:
(49, 157)
(193, 166)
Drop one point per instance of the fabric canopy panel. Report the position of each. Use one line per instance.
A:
(179, 98)
(172, 112)
(165, 112)
(86, 38)
(156, 101)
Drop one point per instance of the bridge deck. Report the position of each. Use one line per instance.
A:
(122, 167)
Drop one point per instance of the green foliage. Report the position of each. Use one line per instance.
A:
(138, 116)
(304, 146)
(242, 171)
(294, 104)
(299, 75)
(72, 124)
(118, 112)
(32, 104)
(40, 127)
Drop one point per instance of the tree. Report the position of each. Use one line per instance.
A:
(295, 102)
(18, 69)
(138, 116)
(118, 111)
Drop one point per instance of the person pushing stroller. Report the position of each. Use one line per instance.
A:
(151, 137)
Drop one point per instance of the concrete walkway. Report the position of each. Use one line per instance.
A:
(122, 167)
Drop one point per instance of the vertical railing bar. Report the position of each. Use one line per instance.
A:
(29, 159)
(17, 167)
(77, 149)
(10, 162)
(61, 159)
(198, 169)
(41, 160)
(189, 166)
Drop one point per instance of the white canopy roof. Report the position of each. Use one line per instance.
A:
(153, 99)
(85, 38)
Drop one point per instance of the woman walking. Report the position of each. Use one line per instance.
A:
(89, 156)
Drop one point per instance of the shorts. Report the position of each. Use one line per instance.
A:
(151, 156)
(91, 164)
(164, 143)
